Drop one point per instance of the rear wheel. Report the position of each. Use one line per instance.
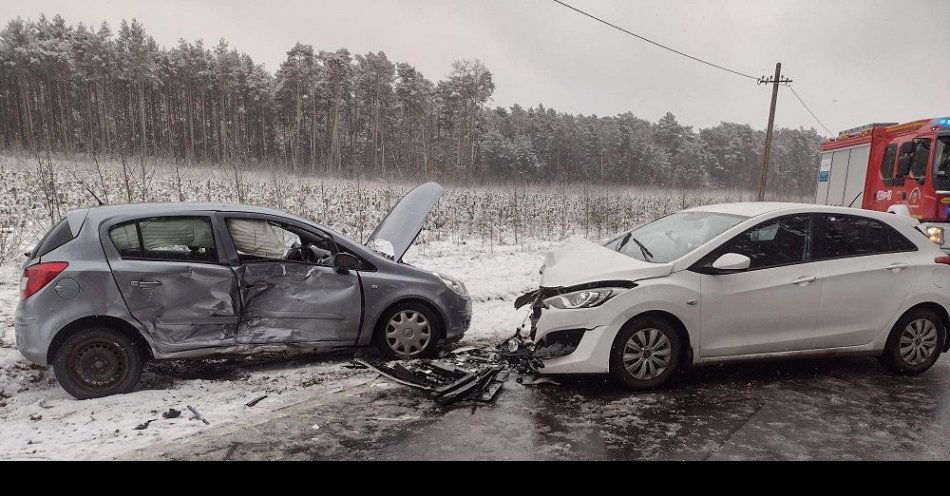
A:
(98, 362)
(914, 343)
(645, 354)
(408, 330)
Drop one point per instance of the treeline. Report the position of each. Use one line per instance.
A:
(91, 91)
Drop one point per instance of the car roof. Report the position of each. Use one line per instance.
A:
(104, 212)
(755, 209)
(749, 209)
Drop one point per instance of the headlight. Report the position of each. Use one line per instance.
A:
(582, 299)
(458, 287)
(935, 234)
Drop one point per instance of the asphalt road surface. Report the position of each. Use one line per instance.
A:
(829, 409)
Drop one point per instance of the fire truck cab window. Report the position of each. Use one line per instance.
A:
(942, 157)
(838, 236)
(918, 167)
(887, 164)
(904, 159)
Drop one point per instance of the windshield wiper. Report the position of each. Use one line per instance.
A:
(643, 249)
(623, 242)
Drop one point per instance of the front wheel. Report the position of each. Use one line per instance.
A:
(914, 342)
(645, 354)
(97, 362)
(408, 330)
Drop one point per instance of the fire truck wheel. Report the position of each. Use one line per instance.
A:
(914, 343)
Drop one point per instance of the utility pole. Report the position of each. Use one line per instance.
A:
(774, 81)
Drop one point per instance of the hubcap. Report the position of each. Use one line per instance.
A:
(647, 354)
(100, 364)
(408, 333)
(918, 342)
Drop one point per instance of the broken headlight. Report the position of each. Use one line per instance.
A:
(586, 298)
(457, 287)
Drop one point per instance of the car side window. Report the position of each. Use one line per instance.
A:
(262, 240)
(838, 236)
(188, 239)
(781, 241)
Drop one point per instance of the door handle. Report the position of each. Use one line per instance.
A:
(896, 266)
(145, 284)
(803, 280)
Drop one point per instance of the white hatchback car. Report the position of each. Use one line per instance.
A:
(743, 281)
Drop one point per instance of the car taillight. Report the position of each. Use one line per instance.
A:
(942, 260)
(39, 275)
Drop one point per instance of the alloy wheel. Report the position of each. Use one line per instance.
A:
(918, 341)
(647, 354)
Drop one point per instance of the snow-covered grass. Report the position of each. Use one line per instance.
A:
(39, 420)
(33, 194)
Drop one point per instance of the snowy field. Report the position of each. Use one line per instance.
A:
(39, 420)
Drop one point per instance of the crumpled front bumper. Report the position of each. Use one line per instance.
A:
(599, 325)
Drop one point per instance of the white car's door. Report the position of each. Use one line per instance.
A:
(865, 276)
(770, 307)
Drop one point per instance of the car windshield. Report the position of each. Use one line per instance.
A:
(673, 236)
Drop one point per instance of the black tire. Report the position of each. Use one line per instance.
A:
(645, 328)
(392, 346)
(903, 360)
(98, 362)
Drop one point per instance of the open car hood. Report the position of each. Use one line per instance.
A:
(402, 224)
(580, 261)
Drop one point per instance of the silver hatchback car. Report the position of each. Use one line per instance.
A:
(111, 287)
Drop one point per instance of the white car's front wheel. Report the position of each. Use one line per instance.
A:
(914, 343)
(645, 353)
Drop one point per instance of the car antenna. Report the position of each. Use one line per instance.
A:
(856, 198)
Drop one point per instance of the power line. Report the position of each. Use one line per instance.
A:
(808, 109)
(697, 59)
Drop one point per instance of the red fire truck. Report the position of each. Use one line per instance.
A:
(890, 167)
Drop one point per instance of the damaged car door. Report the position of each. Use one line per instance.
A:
(290, 291)
(173, 279)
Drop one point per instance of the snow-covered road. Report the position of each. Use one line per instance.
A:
(39, 420)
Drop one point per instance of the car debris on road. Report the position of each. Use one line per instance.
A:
(476, 374)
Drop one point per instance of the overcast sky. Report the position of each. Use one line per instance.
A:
(853, 61)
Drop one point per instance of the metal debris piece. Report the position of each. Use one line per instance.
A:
(197, 416)
(255, 401)
(171, 413)
(467, 373)
(144, 425)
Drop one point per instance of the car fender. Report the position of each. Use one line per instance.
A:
(677, 295)
(930, 297)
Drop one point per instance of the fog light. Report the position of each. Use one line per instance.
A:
(935, 234)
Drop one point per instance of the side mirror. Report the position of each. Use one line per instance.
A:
(345, 262)
(732, 262)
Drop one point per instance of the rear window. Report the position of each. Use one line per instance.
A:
(187, 239)
(840, 236)
(56, 237)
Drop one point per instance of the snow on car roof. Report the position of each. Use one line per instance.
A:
(748, 209)
(754, 209)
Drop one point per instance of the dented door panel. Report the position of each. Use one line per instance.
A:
(180, 302)
(291, 302)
